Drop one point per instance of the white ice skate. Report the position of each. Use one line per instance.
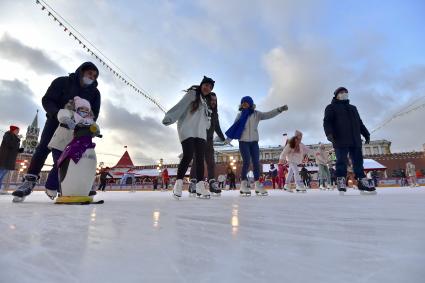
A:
(201, 190)
(244, 189)
(178, 189)
(288, 188)
(51, 193)
(260, 190)
(301, 189)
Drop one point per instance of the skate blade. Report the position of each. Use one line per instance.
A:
(200, 196)
(176, 196)
(245, 194)
(261, 194)
(366, 193)
(18, 199)
(74, 200)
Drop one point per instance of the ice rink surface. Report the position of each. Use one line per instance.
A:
(151, 237)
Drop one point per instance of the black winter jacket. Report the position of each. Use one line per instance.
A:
(63, 89)
(342, 121)
(9, 150)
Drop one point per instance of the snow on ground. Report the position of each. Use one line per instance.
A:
(150, 237)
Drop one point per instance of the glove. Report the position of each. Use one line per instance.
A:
(167, 121)
(21, 150)
(367, 140)
(283, 108)
(218, 139)
(330, 138)
(70, 124)
(227, 141)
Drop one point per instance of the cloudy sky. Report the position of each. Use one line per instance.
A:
(279, 52)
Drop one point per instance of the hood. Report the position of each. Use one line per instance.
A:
(86, 65)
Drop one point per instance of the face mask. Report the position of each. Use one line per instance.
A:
(87, 81)
(343, 96)
(83, 114)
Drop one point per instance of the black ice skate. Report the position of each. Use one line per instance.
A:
(25, 189)
(192, 188)
(214, 189)
(365, 188)
(341, 185)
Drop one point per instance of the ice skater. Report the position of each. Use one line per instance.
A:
(82, 83)
(193, 116)
(322, 160)
(411, 174)
(209, 148)
(9, 150)
(104, 174)
(343, 128)
(293, 154)
(245, 129)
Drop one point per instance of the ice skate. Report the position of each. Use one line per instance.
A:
(192, 188)
(178, 188)
(215, 191)
(322, 187)
(51, 193)
(301, 189)
(260, 190)
(25, 189)
(365, 188)
(341, 185)
(244, 189)
(288, 188)
(330, 188)
(201, 190)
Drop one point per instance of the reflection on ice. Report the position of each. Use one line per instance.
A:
(235, 220)
(155, 216)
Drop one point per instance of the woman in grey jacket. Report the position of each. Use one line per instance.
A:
(245, 129)
(193, 119)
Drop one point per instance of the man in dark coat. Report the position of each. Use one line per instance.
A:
(82, 83)
(209, 147)
(9, 150)
(103, 178)
(343, 128)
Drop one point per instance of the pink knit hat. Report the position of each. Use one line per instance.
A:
(81, 102)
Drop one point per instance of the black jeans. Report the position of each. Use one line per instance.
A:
(209, 159)
(356, 156)
(192, 147)
(42, 151)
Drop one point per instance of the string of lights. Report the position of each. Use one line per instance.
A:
(91, 49)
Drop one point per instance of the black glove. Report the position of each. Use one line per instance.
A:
(367, 140)
(330, 138)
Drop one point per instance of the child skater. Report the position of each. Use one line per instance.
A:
(293, 154)
(245, 129)
(77, 111)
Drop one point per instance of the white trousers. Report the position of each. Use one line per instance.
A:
(293, 173)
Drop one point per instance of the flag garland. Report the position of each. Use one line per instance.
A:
(84, 43)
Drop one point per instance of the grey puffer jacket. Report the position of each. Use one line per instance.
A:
(250, 132)
(189, 125)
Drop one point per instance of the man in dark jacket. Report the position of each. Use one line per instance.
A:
(209, 147)
(9, 150)
(103, 178)
(343, 128)
(82, 83)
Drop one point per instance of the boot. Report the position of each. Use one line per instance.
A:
(341, 185)
(214, 189)
(244, 190)
(26, 188)
(301, 188)
(178, 188)
(51, 193)
(365, 187)
(287, 188)
(260, 190)
(201, 190)
(192, 187)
